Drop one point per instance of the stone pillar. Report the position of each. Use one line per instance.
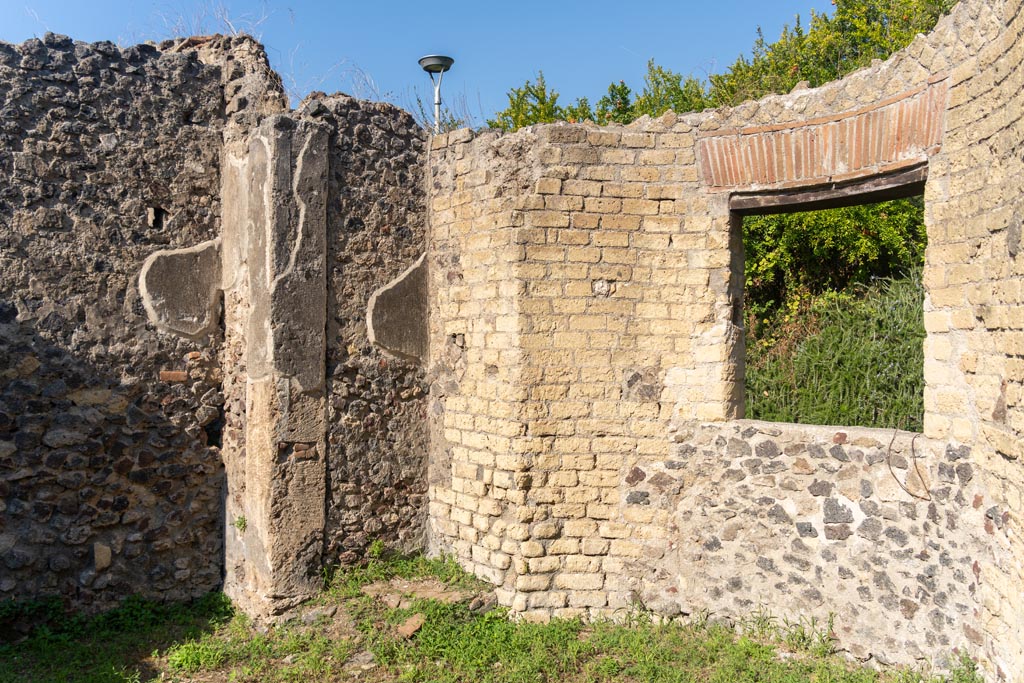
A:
(277, 481)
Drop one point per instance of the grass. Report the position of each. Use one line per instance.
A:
(853, 358)
(115, 646)
(287, 653)
(353, 636)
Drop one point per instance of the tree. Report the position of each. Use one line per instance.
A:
(858, 32)
(579, 111)
(617, 105)
(530, 104)
(791, 256)
(665, 89)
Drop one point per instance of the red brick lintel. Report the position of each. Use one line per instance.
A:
(837, 179)
(892, 134)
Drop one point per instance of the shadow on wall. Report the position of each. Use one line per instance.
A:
(107, 488)
(377, 421)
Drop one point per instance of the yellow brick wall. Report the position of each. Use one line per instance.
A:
(623, 277)
(974, 311)
(584, 288)
(475, 250)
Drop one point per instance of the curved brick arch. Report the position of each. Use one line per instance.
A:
(892, 135)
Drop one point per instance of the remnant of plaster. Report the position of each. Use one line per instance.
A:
(280, 485)
(180, 289)
(396, 315)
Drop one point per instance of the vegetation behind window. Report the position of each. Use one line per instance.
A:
(834, 316)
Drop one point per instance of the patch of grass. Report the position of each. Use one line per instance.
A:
(382, 566)
(286, 653)
(114, 646)
(455, 644)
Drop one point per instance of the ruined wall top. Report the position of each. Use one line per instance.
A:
(881, 119)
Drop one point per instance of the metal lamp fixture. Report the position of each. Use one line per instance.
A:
(436, 64)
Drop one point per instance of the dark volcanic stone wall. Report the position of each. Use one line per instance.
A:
(110, 483)
(377, 403)
(887, 530)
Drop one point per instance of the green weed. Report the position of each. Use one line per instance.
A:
(760, 624)
(145, 641)
(806, 636)
(965, 671)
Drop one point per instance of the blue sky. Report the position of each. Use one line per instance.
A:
(369, 48)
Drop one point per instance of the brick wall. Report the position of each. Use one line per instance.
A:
(479, 457)
(589, 365)
(881, 138)
(974, 311)
(621, 277)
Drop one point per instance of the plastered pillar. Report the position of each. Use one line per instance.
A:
(275, 226)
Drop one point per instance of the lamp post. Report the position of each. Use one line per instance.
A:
(436, 64)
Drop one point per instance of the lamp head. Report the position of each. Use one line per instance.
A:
(435, 64)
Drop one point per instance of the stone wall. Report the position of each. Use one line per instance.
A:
(277, 494)
(109, 477)
(586, 296)
(885, 530)
(327, 440)
(377, 407)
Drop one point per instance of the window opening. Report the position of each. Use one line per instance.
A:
(832, 310)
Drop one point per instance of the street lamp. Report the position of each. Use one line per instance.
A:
(436, 64)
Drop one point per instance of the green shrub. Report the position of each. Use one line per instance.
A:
(853, 358)
(788, 257)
